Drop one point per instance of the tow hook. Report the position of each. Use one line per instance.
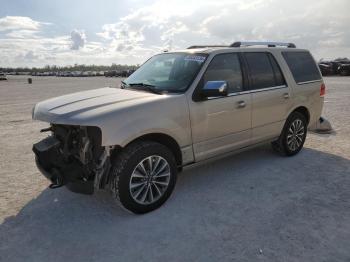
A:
(57, 179)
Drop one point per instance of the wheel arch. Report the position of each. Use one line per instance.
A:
(304, 111)
(163, 139)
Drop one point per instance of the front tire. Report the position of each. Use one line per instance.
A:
(143, 176)
(293, 135)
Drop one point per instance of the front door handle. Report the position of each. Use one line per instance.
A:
(286, 95)
(241, 104)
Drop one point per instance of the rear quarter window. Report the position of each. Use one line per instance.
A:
(302, 65)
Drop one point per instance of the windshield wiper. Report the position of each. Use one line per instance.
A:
(147, 87)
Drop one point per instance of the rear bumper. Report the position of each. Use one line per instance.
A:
(51, 164)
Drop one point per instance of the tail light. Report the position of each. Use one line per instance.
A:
(322, 90)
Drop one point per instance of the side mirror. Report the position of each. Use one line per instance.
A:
(214, 89)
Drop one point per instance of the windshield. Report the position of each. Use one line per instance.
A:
(168, 72)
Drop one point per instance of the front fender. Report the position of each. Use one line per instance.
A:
(169, 116)
(126, 134)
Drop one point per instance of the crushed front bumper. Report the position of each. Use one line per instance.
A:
(58, 170)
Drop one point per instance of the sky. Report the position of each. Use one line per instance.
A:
(40, 32)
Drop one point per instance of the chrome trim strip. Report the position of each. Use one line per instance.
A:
(308, 82)
(239, 93)
(268, 88)
(250, 92)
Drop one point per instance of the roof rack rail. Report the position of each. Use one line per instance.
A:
(204, 46)
(269, 44)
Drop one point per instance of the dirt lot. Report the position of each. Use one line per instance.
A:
(254, 206)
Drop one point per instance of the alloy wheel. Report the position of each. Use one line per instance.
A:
(295, 135)
(149, 180)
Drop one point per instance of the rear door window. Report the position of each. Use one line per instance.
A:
(264, 71)
(302, 66)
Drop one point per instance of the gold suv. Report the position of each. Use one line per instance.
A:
(179, 108)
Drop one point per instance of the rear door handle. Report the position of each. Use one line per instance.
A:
(286, 95)
(241, 104)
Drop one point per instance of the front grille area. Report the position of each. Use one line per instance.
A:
(71, 154)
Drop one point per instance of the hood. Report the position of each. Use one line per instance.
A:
(79, 107)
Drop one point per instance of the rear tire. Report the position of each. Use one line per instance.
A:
(293, 135)
(143, 176)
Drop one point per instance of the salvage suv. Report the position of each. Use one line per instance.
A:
(179, 108)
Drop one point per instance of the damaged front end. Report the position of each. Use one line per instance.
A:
(73, 156)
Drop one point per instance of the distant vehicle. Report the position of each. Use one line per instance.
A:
(22, 73)
(340, 63)
(334, 67)
(76, 73)
(3, 76)
(177, 109)
(126, 73)
(111, 73)
(327, 68)
(131, 71)
(342, 60)
(344, 69)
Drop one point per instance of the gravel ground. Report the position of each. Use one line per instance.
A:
(253, 206)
